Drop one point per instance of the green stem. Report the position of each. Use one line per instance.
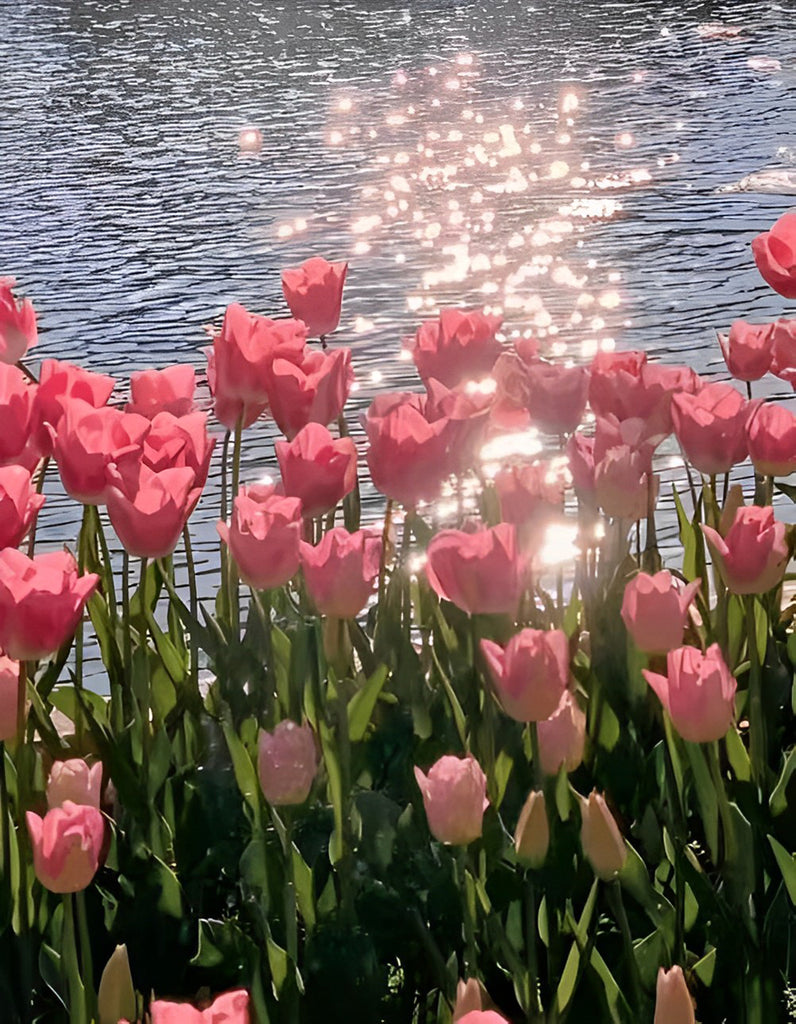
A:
(757, 725)
(534, 1002)
(466, 886)
(193, 597)
(25, 759)
(39, 489)
(728, 830)
(614, 890)
(127, 643)
(385, 541)
(77, 994)
(108, 582)
(234, 594)
(86, 959)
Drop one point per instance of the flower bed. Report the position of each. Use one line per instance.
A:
(419, 785)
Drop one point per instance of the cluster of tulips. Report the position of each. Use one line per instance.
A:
(418, 786)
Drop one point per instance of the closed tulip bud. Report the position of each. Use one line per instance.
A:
(771, 436)
(711, 427)
(482, 1017)
(286, 763)
(783, 359)
(314, 293)
(748, 349)
(313, 390)
(317, 468)
(469, 997)
(752, 557)
(18, 330)
(775, 255)
(622, 483)
(116, 998)
(341, 572)
(9, 697)
(19, 440)
(600, 837)
(557, 396)
(532, 836)
(19, 505)
(168, 390)
(74, 780)
(562, 736)
(655, 611)
(531, 673)
(459, 345)
(673, 1003)
(698, 691)
(67, 844)
(228, 1008)
(149, 510)
(480, 572)
(454, 796)
(263, 536)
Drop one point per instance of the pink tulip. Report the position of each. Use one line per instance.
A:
(673, 1003)
(625, 385)
(263, 536)
(482, 1017)
(408, 456)
(18, 330)
(655, 611)
(600, 837)
(530, 674)
(229, 1008)
(58, 383)
(177, 441)
(341, 572)
(317, 468)
(580, 460)
(532, 835)
(88, 440)
(239, 364)
(467, 414)
(634, 433)
(149, 510)
(622, 482)
(470, 996)
(698, 691)
(74, 780)
(459, 345)
(771, 437)
(614, 378)
(19, 440)
(168, 390)
(41, 602)
(510, 406)
(314, 293)
(312, 391)
(783, 358)
(530, 495)
(10, 684)
(748, 349)
(454, 796)
(775, 255)
(67, 844)
(753, 555)
(711, 427)
(19, 505)
(480, 572)
(562, 736)
(286, 763)
(557, 396)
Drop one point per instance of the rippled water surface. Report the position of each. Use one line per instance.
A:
(557, 160)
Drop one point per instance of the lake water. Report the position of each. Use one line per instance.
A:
(558, 161)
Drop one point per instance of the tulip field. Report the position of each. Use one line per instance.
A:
(399, 770)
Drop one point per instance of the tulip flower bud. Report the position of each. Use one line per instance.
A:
(314, 293)
(18, 330)
(228, 1008)
(469, 997)
(562, 736)
(600, 837)
(74, 780)
(673, 1003)
(775, 255)
(67, 844)
(287, 763)
(481, 1017)
(532, 837)
(754, 554)
(454, 796)
(9, 697)
(116, 996)
(698, 691)
(655, 611)
(531, 673)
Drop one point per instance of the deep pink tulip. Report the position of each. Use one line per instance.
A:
(673, 1003)
(580, 460)
(18, 330)
(286, 763)
(408, 456)
(67, 844)
(783, 358)
(557, 396)
(467, 413)
(622, 483)
(229, 1008)
(19, 505)
(454, 796)
(775, 255)
(168, 390)
(263, 536)
(341, 572)
(19, 439)
(41, 602)
(753, 555)
(480, 572)
(470, 996)
(314, 293)
(482, 1017)
(88, 440)
(748, 349)
(530, 496)
(711, 427)
(149, 510)
(530, 674)
(74, 780)
(613, 381)
(58, 383)
(317, 468)
(771, 436)
(459, 345)
(177, 441)
(625, 385)
(240, 361)
(312, 391)
(698, 691)
(600, 837)
(9, 697)
(655, 611)
(510, 405)
(562, 736)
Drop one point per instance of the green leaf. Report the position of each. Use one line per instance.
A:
(170, 901)
(361, 705)
(787, 865)
(706, 797)
(634, 878)
(504, 764)
(332, 762)
(278, 962)
(738, 756)
(302, 878)
(705, 967)
(778, 802)
(245, 774)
